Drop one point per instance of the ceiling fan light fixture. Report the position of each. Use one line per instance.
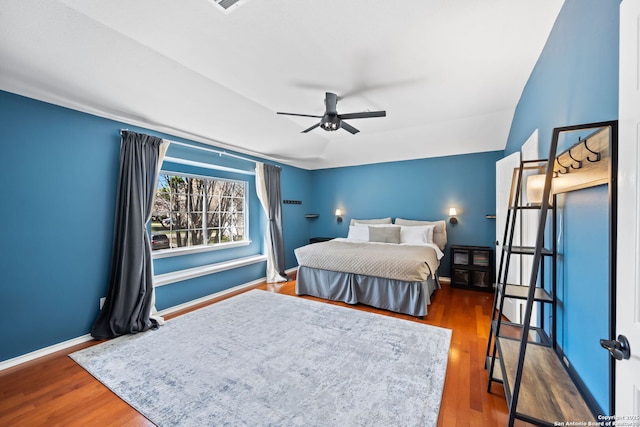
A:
(330, 123)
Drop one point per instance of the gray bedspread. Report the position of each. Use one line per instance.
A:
(388, 260)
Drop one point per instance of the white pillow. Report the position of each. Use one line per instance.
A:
(417, 234)
(439, 232)
(359, 233)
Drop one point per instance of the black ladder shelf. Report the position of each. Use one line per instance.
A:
(537, 386)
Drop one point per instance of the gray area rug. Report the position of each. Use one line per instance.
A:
(265, 359)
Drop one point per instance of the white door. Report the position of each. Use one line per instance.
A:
(628, 266)
(504, 175)
(530, 221)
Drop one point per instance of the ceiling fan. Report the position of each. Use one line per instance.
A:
(332, 121)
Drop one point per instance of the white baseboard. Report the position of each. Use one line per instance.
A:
(9, 363)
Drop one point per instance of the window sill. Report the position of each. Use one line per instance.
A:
(167, 253)
(191, 273)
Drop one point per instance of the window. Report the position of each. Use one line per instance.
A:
(194, 211)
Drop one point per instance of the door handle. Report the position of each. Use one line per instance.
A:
(619, 348)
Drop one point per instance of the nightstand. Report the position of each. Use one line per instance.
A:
(472, 267)
(320, 239)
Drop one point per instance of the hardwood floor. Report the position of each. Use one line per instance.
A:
(55, 391)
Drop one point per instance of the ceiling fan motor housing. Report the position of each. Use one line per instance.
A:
(330, 122)
(331, 103)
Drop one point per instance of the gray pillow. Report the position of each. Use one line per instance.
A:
(384, 234)
(371, 221)
(439, 231)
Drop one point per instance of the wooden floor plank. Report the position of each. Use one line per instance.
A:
(54, 390)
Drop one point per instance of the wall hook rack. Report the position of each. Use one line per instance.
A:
(564, 169)
(579, 162)
(597, 159)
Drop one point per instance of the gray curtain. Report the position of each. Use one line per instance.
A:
(274, 204)
(129, 299)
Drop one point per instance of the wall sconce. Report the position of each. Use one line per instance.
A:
(339, 215)
(452, 216)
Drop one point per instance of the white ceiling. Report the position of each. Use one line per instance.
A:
(449, 73)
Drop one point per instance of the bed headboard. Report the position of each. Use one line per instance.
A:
(371, 221)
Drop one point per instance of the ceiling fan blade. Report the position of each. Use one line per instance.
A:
(363, 115)
(311, 128)
(301, 115)
(346, 126)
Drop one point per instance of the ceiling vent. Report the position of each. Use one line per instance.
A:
(228, 6)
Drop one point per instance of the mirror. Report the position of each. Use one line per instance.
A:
(584, 242)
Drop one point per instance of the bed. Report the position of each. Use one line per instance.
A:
(388, 266)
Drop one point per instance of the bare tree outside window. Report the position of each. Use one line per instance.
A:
(193, 211)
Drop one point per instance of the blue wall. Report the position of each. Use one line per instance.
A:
(575, 81)
(576, 77)
(583, 285)
(413, 189)
(296, 185)
(60, 171)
